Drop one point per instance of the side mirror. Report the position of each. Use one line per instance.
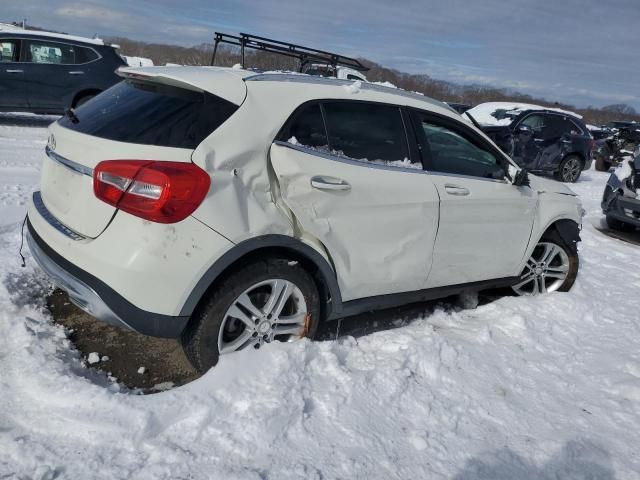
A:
(524, 130)
(521, 178)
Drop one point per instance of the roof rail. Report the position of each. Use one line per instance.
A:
(306, 55)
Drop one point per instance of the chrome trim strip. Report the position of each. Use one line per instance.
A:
(317, 80)
(70, 164)
(53, 221)
(336, 158)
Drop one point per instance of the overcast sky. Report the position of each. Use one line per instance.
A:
(583, 52)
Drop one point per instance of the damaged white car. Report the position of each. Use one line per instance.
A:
(232, 209)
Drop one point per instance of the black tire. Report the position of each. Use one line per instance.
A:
(618, 225)
(602, 165)
(552, 236)
(571, 251)
(200, 338)
(565, 173)
(82, 100)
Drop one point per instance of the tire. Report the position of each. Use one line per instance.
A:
(544, 277)
(569, 169)
(82, 100)
(619, 225)
(602, 165)
(217, 324)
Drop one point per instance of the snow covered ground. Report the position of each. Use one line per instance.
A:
(544, 387)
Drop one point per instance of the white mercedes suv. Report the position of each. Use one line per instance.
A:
(231, 209)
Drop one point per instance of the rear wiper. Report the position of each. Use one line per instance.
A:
(70, 112)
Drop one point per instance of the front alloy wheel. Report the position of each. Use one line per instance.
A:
(570, 169)
(547, 270)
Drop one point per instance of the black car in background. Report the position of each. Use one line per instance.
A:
(44, 72)
(543, 140)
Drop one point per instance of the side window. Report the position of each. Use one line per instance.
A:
(368, 132)
(51, 53)
(8, 51)
(448, 151)
(306, 128)
(84, 55)
(559, 126)
(536, 122)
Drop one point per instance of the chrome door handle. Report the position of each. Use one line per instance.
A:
(76, 72)
(329, 183)
(14, 71)
(456, 190)
(538, 140)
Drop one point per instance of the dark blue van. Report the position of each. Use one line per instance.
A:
(44, 72)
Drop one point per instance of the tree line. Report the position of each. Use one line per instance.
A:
(422, 83)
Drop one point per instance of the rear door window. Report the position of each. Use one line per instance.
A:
(368, 132)
(50, 52)
(8, 51)
(306, 128)
(151, 114)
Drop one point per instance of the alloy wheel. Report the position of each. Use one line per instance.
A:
(546, 270)
(273, 309)
(571, 170)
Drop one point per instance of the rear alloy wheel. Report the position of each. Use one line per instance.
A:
(550, 268)
(570, 169)
(267, 301)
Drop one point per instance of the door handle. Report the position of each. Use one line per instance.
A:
(15, 71)
(456, 190)
(76, 72)
(538, 140)
(329, 183)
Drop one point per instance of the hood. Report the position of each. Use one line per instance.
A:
(546, 185)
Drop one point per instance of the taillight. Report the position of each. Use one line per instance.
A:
(163, 192)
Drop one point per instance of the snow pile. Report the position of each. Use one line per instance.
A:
(503, 113)
(521, 388)
(353, 87)
(404, 163)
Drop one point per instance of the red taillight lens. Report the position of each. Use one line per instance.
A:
(163, 192)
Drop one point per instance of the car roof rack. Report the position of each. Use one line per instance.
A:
(306, 55)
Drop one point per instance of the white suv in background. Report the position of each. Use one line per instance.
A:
(231, 209)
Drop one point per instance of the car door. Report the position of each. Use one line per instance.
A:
(360, 193)
(51, 74)
(12, 87)
(485, 221)
(529, 141)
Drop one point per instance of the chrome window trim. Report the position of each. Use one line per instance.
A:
(41, 208)
(317, 80)
(70, 164)
(335, 158)
(359, 163)
(36, 39)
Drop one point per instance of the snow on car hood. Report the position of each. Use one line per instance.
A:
(546, 185)
(503, 113)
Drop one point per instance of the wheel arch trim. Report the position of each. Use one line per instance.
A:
(253, 246)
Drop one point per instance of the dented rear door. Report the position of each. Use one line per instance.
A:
(377, 222)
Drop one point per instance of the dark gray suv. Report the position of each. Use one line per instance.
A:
(543, 140)
(43, 72)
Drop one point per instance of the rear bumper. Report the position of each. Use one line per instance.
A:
(97, 298)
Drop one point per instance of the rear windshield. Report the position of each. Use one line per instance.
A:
(151, 114)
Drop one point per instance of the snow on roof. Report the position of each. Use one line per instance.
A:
(5, 27)
(138, 61)
(503, 113)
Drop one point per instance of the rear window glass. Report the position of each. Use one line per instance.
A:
(151, 114)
